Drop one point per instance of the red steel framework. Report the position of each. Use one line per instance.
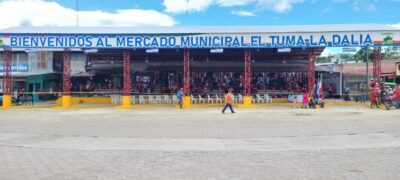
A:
(377, 70)
(67, 72)
(127, 72)
(247, 72)
(7, 72)
(186, 72)
(311, 69)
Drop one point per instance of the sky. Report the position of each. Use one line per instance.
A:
(196, 12)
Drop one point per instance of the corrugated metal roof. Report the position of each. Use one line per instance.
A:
(201, 29)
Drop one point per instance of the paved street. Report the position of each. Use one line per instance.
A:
(166, 143)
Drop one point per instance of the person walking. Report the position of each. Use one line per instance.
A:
(397, 96)
(228, 101)
(374, 98)
(347, 91)
(306, 100)
(179, 95)
(378, 90)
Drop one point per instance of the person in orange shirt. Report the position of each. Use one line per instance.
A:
(228, 101)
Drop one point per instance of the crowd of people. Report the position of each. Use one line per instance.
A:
(202, 83)
(305, 101)
(386, 95)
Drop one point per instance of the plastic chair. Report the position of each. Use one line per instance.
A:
(209, 99)
(158, 99)
(133, 99)
(217, 99)
(166, 99)
(267, 98)
(141, 99)
(152, 99)
(193, 99)
(201, 99)
(112, 99)
(119, 99)
(259, 99)
(234, 99)
(240, 100)
(174, 99)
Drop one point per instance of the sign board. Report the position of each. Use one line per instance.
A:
(233, 40)
(398, 69)
(16, 68)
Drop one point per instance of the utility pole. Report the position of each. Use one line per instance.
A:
(366, 64)
(77, 13)
(367, 74)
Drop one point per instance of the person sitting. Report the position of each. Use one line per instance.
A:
(290, 98)
(295, 101)
(312, 104)
(321, 101)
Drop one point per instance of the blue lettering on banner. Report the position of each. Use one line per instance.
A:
(254, 41)
(88, 41)
(16, 67)
(273, 43)
(236, 42)
(228, 40)
(345, 41)
(13, 41)
(189, 41)
(51, 41)
(42, 41)
(172, 41)
(100, 42)
(291, 40)
(300, 42)
(185, 41)
(336, 39)
(146, 41)
(138, 42)
(215, 41)
(322, 41)
(154, 43)
(71, 42)
(121, 42)
(107, 42)
(163, 42)
(368, 40)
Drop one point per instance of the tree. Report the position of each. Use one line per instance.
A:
(361, 54)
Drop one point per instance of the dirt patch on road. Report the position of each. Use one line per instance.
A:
(302, 114)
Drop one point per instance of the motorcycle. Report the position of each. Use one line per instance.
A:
(389, 101)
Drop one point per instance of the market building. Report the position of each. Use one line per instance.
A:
(203, 60)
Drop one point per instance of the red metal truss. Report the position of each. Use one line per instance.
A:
(67, 72)
(127, 72)
(247, 72)
(186, 72)
(377, 70)
(7, 72)
(311, 69)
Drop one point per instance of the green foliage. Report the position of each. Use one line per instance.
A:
(388, 40)
(361, 54)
